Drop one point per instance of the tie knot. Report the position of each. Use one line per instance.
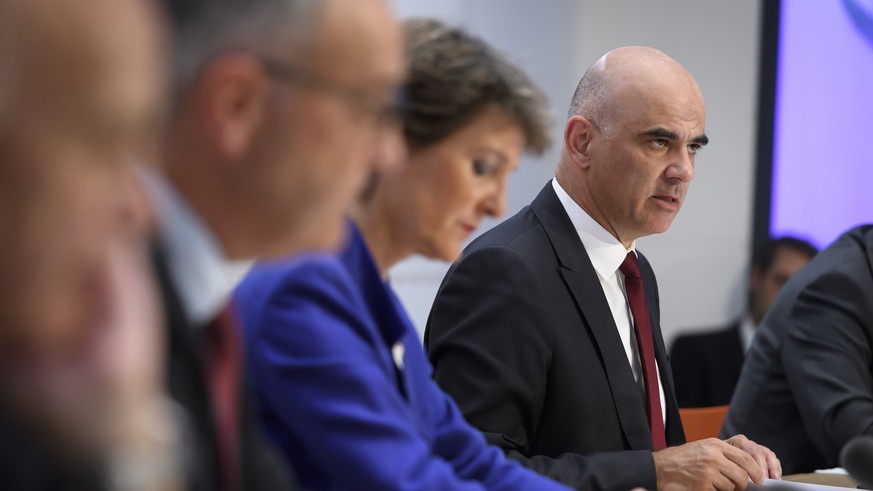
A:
(630, 267)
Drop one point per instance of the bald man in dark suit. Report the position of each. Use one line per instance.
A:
(546, 331)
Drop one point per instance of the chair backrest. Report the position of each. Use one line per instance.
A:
(702, 422)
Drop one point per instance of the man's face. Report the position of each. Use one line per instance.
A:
(66, 191)
(767, 284)
(327, 137)
(644, 160)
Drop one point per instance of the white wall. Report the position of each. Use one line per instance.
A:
(701, 261)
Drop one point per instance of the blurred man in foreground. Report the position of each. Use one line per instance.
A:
(281, 108)
(81, 90)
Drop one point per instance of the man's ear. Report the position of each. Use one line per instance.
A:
(234, 88)
(578, 135)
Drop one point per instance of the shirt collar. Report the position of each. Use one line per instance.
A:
(747, 331)
(201, 274)
(604, 250)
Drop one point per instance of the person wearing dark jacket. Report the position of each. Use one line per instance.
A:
(706, 366)
(807, 385)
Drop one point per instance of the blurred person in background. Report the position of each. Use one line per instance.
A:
(806, 388)
(706, 366)
(81, 393)
(343, 383)
(280, 110)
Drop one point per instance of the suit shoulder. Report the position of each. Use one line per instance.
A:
(297, 293)
(315, 271)
(508, 231)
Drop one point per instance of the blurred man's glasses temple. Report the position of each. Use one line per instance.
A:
(361, 99)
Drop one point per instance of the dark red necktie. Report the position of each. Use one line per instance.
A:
(643, 328)
(224, 369)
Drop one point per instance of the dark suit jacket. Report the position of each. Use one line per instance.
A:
(706, 366)
(262, 467)
(522, 337)
(29, 463)
(807, 386)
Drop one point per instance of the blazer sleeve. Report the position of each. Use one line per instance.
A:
(827, 359)
(491, 348)
(316, 363)
(473, 457)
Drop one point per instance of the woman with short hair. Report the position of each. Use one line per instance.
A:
(344, 385)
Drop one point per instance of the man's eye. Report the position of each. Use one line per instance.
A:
(482, 167)
(694, 148)
(660, 142)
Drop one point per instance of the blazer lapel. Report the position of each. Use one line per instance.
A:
(581, 279)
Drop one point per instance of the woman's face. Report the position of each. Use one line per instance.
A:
(438, 199)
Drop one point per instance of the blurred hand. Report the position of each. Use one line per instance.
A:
(709, 464)
(767, 460)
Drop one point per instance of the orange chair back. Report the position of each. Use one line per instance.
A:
(702, 422)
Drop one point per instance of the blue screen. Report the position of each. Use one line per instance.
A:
(823, 134)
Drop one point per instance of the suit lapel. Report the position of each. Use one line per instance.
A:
(581, 279)
(186, 379)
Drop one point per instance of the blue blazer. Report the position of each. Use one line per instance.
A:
(345, 389)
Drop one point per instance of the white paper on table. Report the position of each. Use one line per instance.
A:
(777, 485)
(835, 470)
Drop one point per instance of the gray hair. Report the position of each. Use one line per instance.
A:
(593, 99)
(202, 29)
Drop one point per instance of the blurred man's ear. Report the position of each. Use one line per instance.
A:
(578, 135)
(234, 89)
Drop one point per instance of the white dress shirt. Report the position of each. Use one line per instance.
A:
(203, 277)
(607, 254)
(747, 331)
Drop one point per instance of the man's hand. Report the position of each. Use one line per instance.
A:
(765, 457)
(709, 464)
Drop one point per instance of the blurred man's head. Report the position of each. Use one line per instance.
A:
(773, 264)
(80, 91)
(282, 109)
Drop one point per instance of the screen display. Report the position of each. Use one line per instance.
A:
(823, 136)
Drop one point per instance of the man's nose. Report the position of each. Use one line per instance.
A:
(682, 167)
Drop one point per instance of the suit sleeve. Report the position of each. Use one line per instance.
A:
(318, 371)
(827, 360)
(489, 340)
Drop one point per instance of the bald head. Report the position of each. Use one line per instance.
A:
(630, 71)
(635, 126)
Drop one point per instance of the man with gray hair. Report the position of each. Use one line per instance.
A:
(281, 109)
(546, 331)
